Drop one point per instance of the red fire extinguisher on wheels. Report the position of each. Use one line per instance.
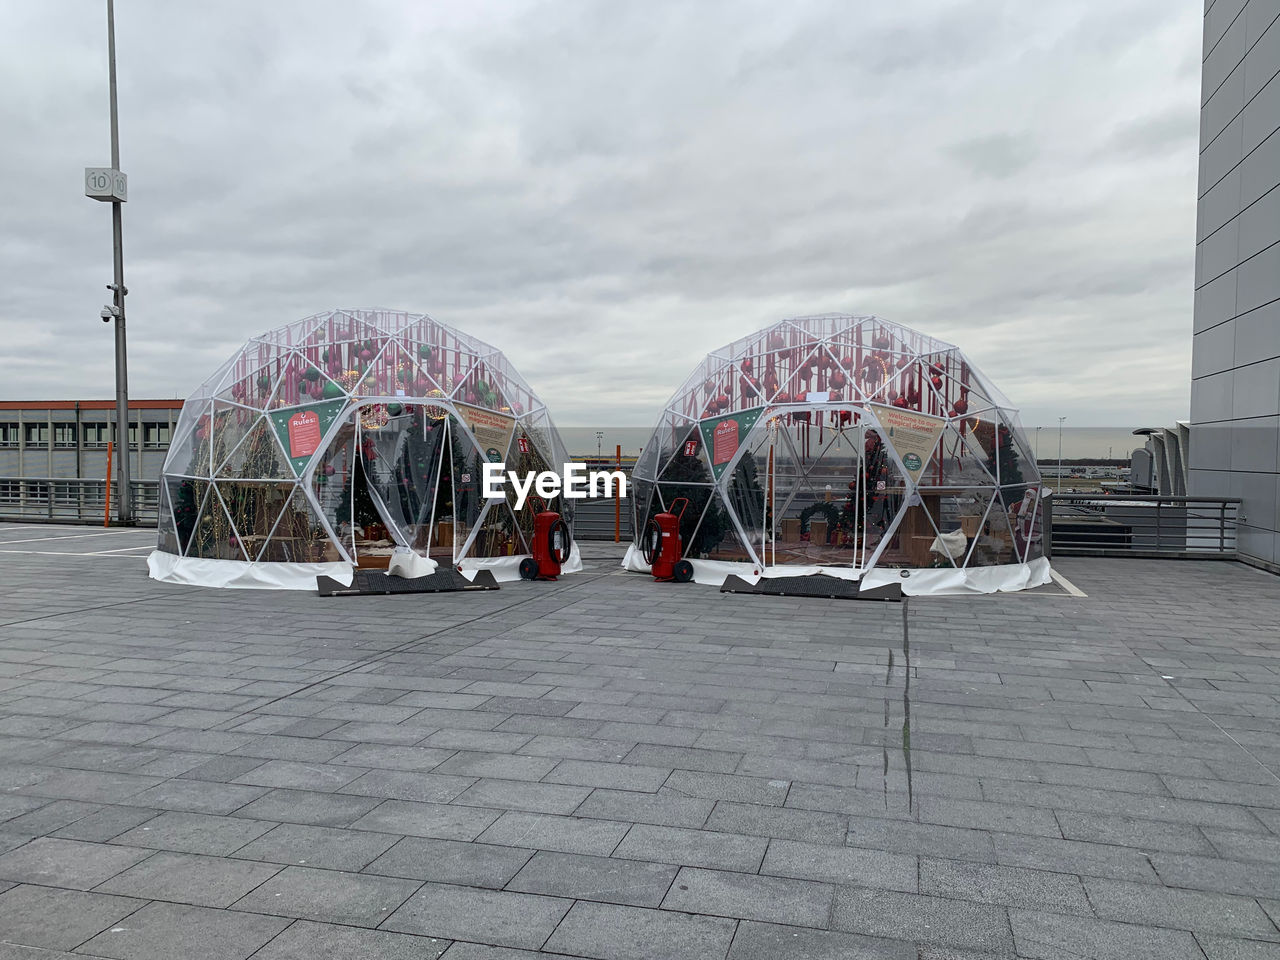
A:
(551, 545)
(661, 545)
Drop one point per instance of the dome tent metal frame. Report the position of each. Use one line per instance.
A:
(952, 504)
(271, 455)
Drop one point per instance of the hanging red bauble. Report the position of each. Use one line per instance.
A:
(881, 342)
(746, 365)
(961, 405)
(837, 380)
(708, 386)
(901, 402)
(776, 341)
(903, 361)
(847, 361)
(936, 381)
(938, 369)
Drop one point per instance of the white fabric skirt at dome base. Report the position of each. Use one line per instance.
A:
(268, 575)
(505, 569)
(932, 582)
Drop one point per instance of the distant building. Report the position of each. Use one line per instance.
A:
(67, 439)
(1235, 367)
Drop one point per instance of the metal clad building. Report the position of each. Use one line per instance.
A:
(67, 439)
(1235, 387)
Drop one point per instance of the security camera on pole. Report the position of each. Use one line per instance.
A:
(109, 185)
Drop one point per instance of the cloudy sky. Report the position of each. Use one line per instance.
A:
(606, 191)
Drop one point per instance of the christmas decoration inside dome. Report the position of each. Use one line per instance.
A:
(347, 439)
(847, 446)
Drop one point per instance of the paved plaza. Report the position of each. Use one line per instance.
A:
(611, 768)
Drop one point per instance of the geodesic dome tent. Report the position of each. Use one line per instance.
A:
(333, 441)
(847, 446)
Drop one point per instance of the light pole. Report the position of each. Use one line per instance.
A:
(1060, 419)
(599, 441)
(1038, 429)
(110, 185)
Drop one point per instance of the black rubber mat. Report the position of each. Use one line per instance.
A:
(367, 583)
(816, 585)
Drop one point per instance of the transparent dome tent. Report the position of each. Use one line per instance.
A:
(846, 446)
(348, 439)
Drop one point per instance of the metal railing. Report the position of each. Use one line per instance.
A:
(60, 500)
(1126, 525)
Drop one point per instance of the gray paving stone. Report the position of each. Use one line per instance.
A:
(194, 833)
(722, 893)
(329, 896)
(541, 831)
(107, 823)
(605, 879)
(613, 932)
(767, 941)
(58, 919)
(882, 833)
(696, 848)
(1231, 948)
(1193, 910)
(782, 822)
(331, 848)
(841, 865)
(49, 817)
(299, 776)
(483, 951)
(503, 766)
(1051, 936)
(1249, 879)
(1011, 886)
(450, 861)
(721, 786)
(305, 940)
(684, 758)
(905, 916)
(67, 863)
(189, 878)
(388, 757)
(616, 776)
(521, 795)
(91, 786)
(165, 931)
(197, 796)
(485, 916)
(1132, 832)
(222, 769)
(1071, 856)
(408, 785)
(663, 808)
(303, 806)
(444, 821)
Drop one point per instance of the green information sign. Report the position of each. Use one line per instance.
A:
(723, 436)
(301, 428)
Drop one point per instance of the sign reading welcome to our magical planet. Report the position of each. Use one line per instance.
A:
(913, 435)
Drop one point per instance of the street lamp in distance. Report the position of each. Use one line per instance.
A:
(110, 185)
(1060, 422)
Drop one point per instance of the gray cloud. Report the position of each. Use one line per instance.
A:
(607, 191)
